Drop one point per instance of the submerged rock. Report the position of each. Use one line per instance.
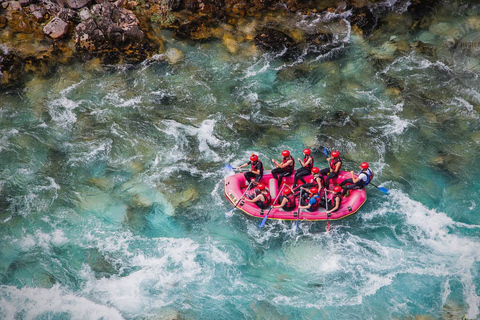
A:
(174, 55)
(277, 42)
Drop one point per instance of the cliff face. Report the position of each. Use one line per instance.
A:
(36, 35)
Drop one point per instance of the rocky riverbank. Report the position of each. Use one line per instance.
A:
(37, 35)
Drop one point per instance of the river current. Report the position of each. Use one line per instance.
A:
(111, 182)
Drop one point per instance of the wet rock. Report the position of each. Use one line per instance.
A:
(184, 199)
(364, 19)
(198, 29)
(174, 55)
(77, 4)
(230, 43)
(424, 48)
(277, 42)
(3, 22)
(112, 30)
(20, 22)
(101, 267)
(56, 28)
(52, 7)
(420, 8)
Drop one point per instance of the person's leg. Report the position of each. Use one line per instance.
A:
(298, 174)
(248, 176)
(275, 173)
(351, 186)
(344, 182)
(330, 176)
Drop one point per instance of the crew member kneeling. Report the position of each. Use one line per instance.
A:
(261, 198)
(334, 203)
(286, 200)
(313, 202)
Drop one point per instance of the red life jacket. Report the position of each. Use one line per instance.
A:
(334, 162)
(310, 165)
(267, 197)
(290, 201)
(290, 167)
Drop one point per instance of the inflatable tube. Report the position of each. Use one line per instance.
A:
(235, 186)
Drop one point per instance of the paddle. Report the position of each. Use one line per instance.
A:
(241, 197)
(382, 189)
(271, 207)
(326, 207)
(298, 212)
(228, 167)
(325, 151)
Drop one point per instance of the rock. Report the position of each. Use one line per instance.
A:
(85, 14)
(3, 22)
(364, 19)
(77, 4)
(20, 22)
(174, 55)
(424, 48)
(56, 28)
(420, 8)
(38, 12)
(51, 7)
(185, 199)
(14, 6)
(277, 42)
(25, 3)
(230, 43)
(88, 36)
(67, 15)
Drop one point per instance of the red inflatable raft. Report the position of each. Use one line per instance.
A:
(235, 186)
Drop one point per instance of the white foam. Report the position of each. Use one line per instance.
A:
(35, 303)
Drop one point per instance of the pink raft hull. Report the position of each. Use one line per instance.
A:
(235, 186)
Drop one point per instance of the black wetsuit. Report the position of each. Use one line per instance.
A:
(279, 173)
(250, 175)
(303, 171)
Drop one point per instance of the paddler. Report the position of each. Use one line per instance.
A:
(335, 164)
(255, 171)
(307, 165)
(358, 181)
(313, 201)
(316, 181)
(286, 200)
(261, 197)
(284, 168)
(334, 203)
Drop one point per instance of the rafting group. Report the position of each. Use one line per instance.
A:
(311, 199)
(316, 194)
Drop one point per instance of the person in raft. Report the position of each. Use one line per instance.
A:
(316, 181)
(284, 168)
(358, 182)
(334, 203)
(261, 197)
(307, 165)
(287, 200)
(255, 171)
(314, 200)
(335, 164)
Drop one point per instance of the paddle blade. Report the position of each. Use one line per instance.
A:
(325, 151)
(263, 221)
(296, 226)
(228, 167)
(328, 226)
(384, 190)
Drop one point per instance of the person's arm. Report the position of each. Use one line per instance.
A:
(306, 163)
(301, 162)
(243, 165)
(337, 167)
(275, 162)
(283, 165)
(319, 182)
(302, 188)
(284, 201)
(337, 204)
(257, 171)
(254, 199)
(354, 179)
(305, 207)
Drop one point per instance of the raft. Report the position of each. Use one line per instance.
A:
(235, 186)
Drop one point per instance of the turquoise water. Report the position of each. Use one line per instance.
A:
(111, 200)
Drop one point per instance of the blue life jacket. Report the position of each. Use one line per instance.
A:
(369, 175)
